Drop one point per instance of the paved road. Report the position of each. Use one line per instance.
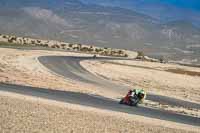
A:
(69, 67)
(98, 102)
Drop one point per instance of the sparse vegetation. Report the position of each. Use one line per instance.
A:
(79, 46)
(140, 55)
(38, 41)
(84, 49)
(12, 39)
(55, 46)
(63, 46)
(60, 45)
(32, 41)
(4, 36)
(185, 72)
(163, 59)
(70, 45)
(126, 55)
(45, 45)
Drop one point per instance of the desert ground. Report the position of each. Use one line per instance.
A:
(20, 113)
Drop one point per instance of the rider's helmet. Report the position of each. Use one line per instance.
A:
(130, 91)
(141, 94)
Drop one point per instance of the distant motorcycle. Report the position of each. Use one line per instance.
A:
(133, 98)
(94, 56)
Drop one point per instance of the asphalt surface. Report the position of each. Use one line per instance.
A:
(69, 67)
(98, 102)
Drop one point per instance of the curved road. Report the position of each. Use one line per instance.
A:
(70, 68)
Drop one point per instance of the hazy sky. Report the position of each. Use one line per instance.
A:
(192, 4)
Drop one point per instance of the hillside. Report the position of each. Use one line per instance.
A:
(77, 22)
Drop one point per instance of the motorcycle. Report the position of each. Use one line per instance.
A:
(133, 101)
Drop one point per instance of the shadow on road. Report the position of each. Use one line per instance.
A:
(97, 102)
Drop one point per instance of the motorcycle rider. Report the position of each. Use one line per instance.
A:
(139, 94)
(128, 96)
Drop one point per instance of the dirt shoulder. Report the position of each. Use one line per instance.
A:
(20, 113)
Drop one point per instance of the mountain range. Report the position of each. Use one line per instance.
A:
(100, 24)
(163, 10)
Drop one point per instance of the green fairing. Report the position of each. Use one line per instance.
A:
(137, 91)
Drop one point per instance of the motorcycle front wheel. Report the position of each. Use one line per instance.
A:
(121, 101)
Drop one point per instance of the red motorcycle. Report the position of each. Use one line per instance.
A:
(131, 99)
